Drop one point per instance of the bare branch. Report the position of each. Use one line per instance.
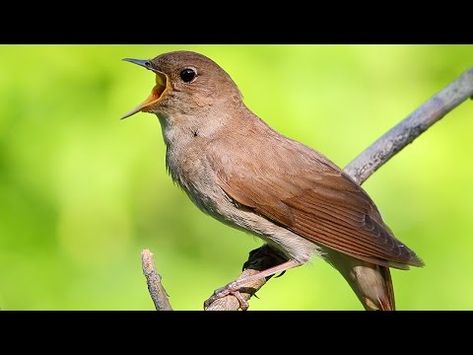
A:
(393, 141)
(153, 279)
(365, 164)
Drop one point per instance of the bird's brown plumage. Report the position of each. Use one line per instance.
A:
(301, 190)
(244, 173)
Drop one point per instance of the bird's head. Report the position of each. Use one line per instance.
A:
(186, 83)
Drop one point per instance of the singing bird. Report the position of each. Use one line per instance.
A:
(239, 170)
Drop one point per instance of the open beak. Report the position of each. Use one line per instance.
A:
(156, 92)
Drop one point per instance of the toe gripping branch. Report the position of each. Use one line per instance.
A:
(231, 298)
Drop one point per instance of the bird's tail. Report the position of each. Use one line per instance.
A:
(371, 283)
(387, 303)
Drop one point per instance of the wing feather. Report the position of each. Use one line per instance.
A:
(297, 188)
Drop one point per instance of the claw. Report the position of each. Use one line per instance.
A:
(282, 273)
(230, 289)
(243, 303)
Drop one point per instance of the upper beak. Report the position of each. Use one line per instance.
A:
(141, 62)
(161, 84)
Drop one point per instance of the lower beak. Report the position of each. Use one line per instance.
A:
(156, 92)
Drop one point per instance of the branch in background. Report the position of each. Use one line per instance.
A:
(393, 141)
(153, 279)
(365, 164)
(360, 169)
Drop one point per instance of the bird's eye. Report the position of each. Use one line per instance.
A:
(188, 74)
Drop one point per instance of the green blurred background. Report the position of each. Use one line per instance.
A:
(81, 192)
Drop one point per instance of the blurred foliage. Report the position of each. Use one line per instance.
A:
(81, 192)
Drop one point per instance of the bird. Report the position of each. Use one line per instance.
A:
(236, 168)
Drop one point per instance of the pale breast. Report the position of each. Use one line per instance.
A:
(189, 168)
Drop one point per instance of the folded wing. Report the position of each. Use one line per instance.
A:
(316, 200)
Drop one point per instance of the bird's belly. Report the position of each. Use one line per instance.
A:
(291, 244)
(200, 184)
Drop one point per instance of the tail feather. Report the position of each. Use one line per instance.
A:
(387, 303)
(371, 283)
(373, 286)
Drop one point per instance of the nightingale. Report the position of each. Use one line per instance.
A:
(239, 170)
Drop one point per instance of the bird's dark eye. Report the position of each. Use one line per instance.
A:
(188, 74)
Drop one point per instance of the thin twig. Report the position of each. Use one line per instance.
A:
(365, 164)
(153, 279)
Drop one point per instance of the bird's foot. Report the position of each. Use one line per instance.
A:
(233, 289)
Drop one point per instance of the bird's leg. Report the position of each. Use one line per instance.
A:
(233, 288)
(265, 273)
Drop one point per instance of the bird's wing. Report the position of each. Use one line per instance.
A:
(316, 200)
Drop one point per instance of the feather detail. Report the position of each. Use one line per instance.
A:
(301, 190)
